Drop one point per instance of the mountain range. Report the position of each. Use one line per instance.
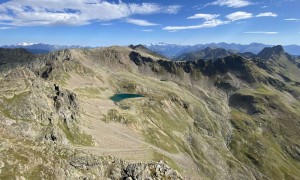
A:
(174, 50)
(39, 48)
(167, 50)
(130, 113)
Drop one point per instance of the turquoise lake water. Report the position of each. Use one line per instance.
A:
(120, 97)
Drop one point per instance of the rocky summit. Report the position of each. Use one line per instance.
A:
(220, 116)
(208, 53)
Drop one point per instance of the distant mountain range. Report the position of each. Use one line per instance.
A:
(40, 48)
(168, 50)
(174, 50)
(211, 53)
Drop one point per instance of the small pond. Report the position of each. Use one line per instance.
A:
(120, 97)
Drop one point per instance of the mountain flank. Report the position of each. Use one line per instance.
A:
(208, 53)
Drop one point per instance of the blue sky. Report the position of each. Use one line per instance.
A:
(103, 23)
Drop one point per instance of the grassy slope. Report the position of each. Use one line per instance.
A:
(260, 140)
(166, 123)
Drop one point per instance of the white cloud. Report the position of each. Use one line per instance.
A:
(231, 3)
(206, 24)
(267, 14)
(293, 19)
(140, 22)
(261, 32)
(204, 16)
(239, 15)
(5, 28)
(4, 17)
(147, 30)
(150, 8)
(173, 9)
(73, 12)
(210, 20)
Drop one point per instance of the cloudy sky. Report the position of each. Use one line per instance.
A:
(101, 23)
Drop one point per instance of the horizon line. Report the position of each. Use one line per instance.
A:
(91, 46)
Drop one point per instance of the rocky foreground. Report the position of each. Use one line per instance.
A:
(23, 159)
(234, 117)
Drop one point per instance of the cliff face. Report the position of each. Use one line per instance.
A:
(227, 118)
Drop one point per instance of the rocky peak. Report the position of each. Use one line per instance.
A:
(206, 54)
(220, 51)
(139, 46)
(211, 50)
(208, 49)
(278, 49)
(142, 48)
(271, 52)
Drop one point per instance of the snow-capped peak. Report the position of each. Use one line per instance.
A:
(25, 44)
(157, 44)
(162, 44)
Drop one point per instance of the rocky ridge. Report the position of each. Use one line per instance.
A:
(208, 53)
